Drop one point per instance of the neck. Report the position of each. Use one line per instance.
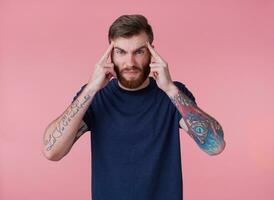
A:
(144, 84)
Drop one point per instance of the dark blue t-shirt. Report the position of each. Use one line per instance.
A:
(135, 143)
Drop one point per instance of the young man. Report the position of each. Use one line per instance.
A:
(134, 120)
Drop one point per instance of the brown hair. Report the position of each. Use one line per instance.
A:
(129, 25)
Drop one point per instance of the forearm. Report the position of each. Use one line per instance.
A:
(61, 133)
(204, 129)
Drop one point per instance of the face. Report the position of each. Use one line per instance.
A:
(131, 59)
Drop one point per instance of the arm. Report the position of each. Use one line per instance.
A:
(204, 129)
(63, 132)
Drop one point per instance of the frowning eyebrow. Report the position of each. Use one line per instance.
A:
(141, 47)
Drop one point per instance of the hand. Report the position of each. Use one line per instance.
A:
(160, 72)
(103, 71)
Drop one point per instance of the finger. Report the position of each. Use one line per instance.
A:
(154, 75)
(155, 55)
(158, 68)
(109, 76)
(108, 65)
(104, 58)
(155, 70)
(111, 71)
(159, 65)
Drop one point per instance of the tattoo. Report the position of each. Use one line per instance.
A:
(204, 129)
(181, 98)
(75, 107)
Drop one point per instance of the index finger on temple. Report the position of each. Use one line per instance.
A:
(153, 52)
(104, 58)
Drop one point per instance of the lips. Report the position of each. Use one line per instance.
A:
(131, 71)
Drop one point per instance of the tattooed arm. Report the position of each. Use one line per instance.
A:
(204, 129)
(63, 132)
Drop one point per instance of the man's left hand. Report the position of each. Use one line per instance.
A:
(160, 72)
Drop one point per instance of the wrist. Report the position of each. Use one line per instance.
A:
(90, 89)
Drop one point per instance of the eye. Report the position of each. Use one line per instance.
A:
(118, 51)
(140, 52)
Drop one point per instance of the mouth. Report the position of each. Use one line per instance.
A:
(132, 72)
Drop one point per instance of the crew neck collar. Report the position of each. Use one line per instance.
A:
(148, 87)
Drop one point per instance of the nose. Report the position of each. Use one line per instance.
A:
(130, 61)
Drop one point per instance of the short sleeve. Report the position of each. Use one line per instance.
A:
(184, 89)
(87, 115)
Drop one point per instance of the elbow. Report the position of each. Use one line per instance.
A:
(51, 156)
(217, 149)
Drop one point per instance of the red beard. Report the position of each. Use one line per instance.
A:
(132, 83)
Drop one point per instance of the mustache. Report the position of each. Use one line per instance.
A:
(131, 68)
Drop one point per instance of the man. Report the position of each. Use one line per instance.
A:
(134, 120)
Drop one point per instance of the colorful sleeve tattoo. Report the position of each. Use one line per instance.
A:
(204, 129)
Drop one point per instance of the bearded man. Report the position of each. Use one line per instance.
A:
(134, 111)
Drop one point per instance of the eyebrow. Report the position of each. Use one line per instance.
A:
(141, 47)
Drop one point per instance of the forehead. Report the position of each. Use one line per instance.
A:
(131, 43)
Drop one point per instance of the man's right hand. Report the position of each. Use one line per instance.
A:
(103, 71)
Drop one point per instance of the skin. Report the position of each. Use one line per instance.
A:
(131, 58)
(63, 123)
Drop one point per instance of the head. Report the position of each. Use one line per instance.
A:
(130, 55)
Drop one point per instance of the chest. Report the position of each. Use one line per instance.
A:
(132, 120)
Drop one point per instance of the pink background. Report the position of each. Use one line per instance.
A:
(222, 50)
